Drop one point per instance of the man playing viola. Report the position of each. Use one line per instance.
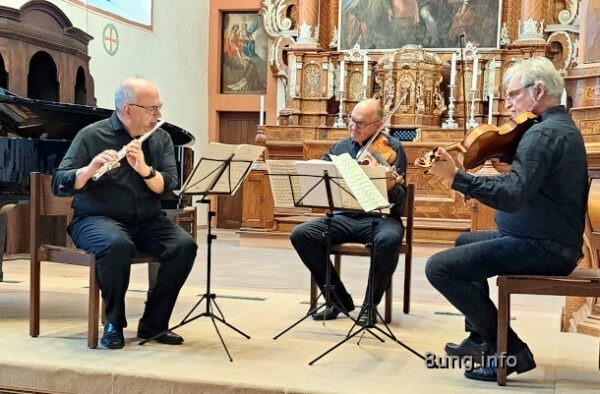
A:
(540, 214)
(310, 244)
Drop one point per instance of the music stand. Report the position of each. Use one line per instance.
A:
(220, 174)
(328, 289)
(365, 206)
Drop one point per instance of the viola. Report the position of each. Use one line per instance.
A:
(485, 142)
(377, 151)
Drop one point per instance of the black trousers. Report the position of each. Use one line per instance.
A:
(114, 244)
(310, 242)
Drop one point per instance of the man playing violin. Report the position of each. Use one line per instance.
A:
(308, 240)
(540, 214)
(120, 213)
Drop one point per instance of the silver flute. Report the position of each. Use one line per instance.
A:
(123, 152)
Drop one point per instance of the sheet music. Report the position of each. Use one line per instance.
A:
(312, 186)
(223, 165)
(361, 184)
(242, 159)
(284, 188)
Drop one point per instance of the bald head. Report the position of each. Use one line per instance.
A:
(130, 89)
(371, 107)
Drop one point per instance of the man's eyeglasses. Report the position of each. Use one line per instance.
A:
(511, 95)
(152, 110)
(360, 125)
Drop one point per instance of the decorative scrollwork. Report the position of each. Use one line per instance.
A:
(567, 16)
(274, 19)
(561, 49)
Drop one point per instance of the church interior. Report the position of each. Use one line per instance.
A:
(279, 78)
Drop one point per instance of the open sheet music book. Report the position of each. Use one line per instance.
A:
(353, 187)
(221, 169)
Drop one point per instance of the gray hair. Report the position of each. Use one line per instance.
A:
(537, 70)
(126, 93)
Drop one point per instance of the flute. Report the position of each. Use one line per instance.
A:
(123, 152)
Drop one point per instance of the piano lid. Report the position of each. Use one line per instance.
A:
(41, 119)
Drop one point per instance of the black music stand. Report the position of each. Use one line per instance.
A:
(328, 288)
(370, 307)
(221, 174)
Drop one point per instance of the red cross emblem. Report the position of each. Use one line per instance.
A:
(110, 39)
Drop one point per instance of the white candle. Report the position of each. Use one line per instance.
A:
(262, 111)
(491, 104)
(365, 70)
(474, 82)
(563, 97)
(342, 75)
(453, 69)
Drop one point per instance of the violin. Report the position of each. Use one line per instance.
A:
(377, 151)
(485, 142)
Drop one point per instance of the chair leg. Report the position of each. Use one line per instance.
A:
(93, 309)
(34, 301)
(407, 280)
(388, 303)
(313, 291)
(503, 324)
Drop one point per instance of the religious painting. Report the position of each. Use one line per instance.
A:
(590, 34)
(243, 54)
(435, 24)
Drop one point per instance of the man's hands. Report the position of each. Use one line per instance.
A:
(444, 165)
(135, 158)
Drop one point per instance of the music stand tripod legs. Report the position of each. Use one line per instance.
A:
(328, 288)
(370, 309)
(209, 297)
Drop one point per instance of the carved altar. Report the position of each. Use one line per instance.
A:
(304, 55)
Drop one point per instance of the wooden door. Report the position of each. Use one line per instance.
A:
(235, 128)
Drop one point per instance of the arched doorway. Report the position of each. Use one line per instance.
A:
(80, 87)
(42, 80)
(3, 74)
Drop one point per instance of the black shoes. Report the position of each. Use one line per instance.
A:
(329, 313)
(520, 362)
(468, 348)
(112, 337)
(168, 338)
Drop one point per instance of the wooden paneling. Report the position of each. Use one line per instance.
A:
(235, 128)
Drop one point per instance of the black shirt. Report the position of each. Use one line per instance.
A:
(544, 196)
(121, 193)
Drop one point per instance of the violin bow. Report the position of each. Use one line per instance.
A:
(461, 37)
(375, 134)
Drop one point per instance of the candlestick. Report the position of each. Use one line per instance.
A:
(474, 82)
(365, 71)
(261, 122)
(491, 106)
(450, 123)
(453, 69)
(342, 76)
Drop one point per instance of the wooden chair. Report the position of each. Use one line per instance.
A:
(356, 249)
(581, 283)
(43, 204)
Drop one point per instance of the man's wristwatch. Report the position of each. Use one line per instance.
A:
(151, 175)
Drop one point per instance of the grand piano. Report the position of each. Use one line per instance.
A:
(34, 137)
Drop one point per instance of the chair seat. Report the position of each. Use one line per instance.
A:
(581, 283)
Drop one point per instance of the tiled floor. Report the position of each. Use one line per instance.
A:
(261, 291)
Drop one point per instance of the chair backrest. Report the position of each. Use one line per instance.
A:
(44, 203)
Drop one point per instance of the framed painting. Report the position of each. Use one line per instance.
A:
(243, 54)
(436, 24)
(589, 49)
